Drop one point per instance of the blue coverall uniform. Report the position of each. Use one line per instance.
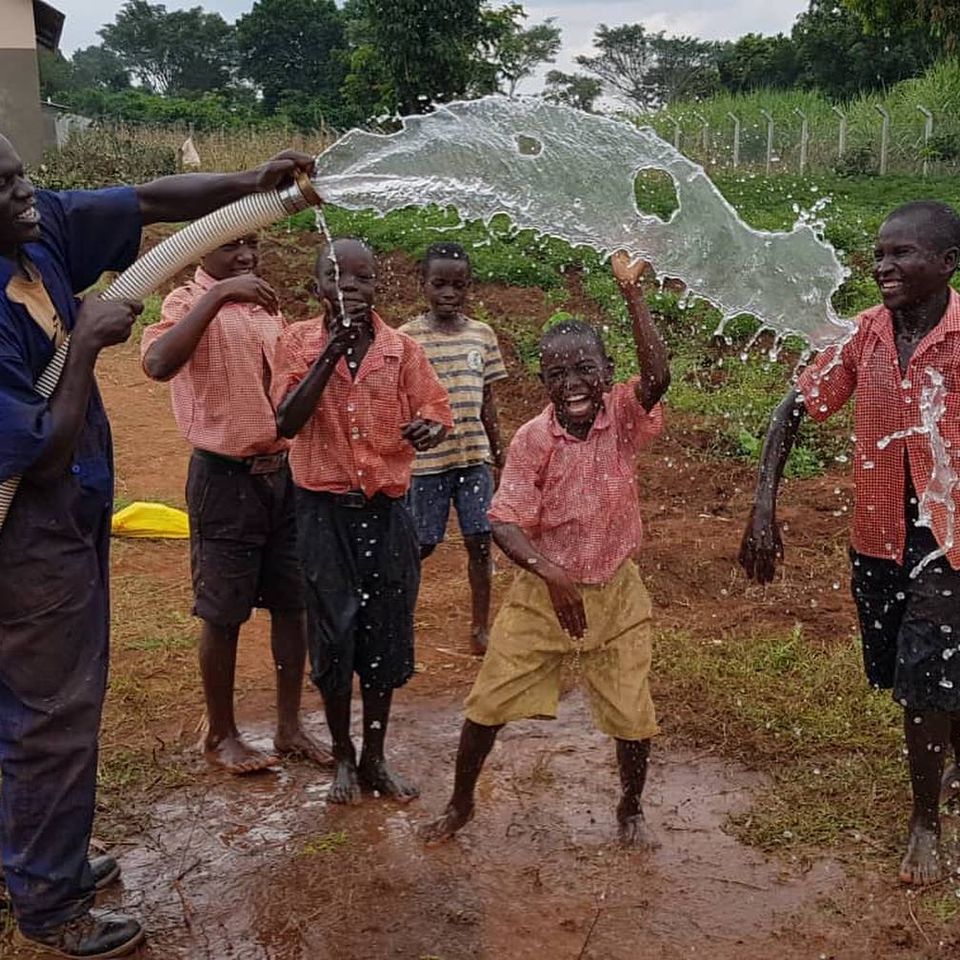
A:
(54, 574)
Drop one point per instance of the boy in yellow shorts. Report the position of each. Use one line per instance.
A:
(567, 514)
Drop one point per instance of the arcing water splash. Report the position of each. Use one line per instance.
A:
(569, 174)
(944, 481)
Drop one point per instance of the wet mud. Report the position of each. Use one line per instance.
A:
(263, 867)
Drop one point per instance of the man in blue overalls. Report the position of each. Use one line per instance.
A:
(54, 575)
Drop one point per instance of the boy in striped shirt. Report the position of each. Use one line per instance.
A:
(466, 357)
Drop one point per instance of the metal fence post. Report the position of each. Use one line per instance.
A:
(736, 139)
(769, 140)
(804, 138)
(676, 132)
(927, 134)
(842, 138)
(884, 137)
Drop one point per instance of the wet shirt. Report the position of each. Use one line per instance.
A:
(467, 360)
(83, 233)
(891, 436)
(353, 441)
(221, 395)
(576, 500)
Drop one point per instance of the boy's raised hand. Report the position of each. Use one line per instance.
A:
(627, 271)
(249, 288)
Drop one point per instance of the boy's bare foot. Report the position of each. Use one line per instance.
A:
(345, 787)
(299, 744)
(376, 775)
(923, 863)
(446, 825)
(635, 833)
(236, 756)
(479, 638)
(950, 784)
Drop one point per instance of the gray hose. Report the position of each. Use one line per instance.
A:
(168, 258)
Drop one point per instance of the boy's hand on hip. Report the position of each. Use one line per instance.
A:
(567, 602)
(249, 288)
(423, 434)
(762, 545)
(104, 323)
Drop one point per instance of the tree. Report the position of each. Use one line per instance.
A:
(940, 18)
(184, 51)
(573, 89)
(755, 61)
(684, 69)
(429, 52)
(517, 52)
(56, 73)
(293, 45)
(835, 54)
(96, 68)
(624, 60)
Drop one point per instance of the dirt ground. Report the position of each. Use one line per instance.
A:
(264, 868)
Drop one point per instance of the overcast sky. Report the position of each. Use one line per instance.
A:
(709, 19)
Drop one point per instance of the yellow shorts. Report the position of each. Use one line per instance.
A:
(520, 676)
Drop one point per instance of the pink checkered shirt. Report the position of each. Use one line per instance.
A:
(220, 396)
(576, 500)
(887, 403)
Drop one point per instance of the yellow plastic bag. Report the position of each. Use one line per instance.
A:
(151, 521)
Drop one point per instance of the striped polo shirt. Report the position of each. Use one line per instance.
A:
(466, 360)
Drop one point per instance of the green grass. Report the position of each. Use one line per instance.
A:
(803, 714)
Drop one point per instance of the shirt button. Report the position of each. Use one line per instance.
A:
(75, 468)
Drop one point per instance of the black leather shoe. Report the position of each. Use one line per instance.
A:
(105, 871)
(95, 935)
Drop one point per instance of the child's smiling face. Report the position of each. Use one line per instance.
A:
(576, 371)
(233, 259)
(357, 287)
(445, 285)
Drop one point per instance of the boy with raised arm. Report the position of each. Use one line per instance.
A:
(215, 343)
(567, 514)
(466, 356)
(358, 399)
(906, 564)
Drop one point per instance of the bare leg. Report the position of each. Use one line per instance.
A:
(345, 787)
(632, 759)
(476, 742)
(928, 737)
(373, 771)
(950, 786)
(289, 643)
(223, 746)
(480, 572)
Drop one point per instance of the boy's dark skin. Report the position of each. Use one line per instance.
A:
(353, 301)
(234, 265)
(913, 277)
(575, 372)
(445, 285)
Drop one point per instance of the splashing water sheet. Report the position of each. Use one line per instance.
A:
(570, 175)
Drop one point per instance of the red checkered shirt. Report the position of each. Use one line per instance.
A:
(888, 402)
(576, 500)
(353, 441)
(220, 395)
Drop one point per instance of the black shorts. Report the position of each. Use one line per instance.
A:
(911, 626)
(361, 569)
(243, 541)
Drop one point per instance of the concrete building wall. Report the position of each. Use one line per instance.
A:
(20, 117)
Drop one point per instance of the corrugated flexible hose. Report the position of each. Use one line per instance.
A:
(172, 255)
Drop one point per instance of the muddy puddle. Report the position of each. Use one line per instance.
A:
(265, 868)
